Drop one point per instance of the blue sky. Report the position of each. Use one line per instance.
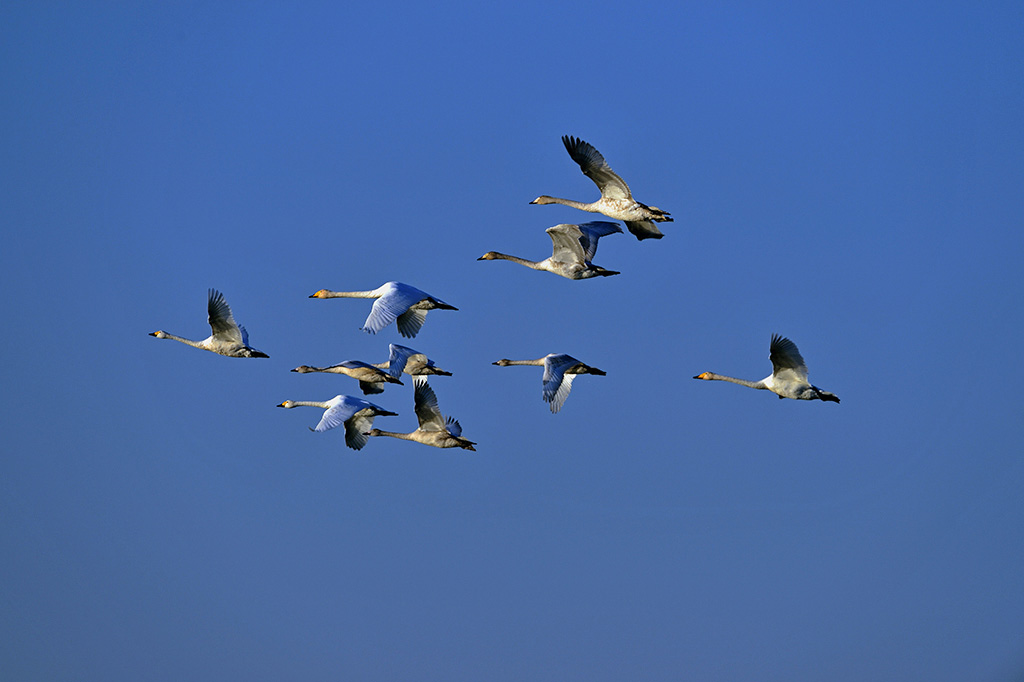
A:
(846, 175)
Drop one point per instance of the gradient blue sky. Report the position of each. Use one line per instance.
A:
(848, 175)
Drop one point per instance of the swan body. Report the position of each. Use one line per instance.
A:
(371, 379)
(434, 429)
(396, 302)
(228, 337)
(788, 378)
(616, 200)
(573, 247)
(355, 413)
(559, 371)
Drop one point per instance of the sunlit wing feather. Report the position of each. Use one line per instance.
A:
(566, 243)
(338, 413)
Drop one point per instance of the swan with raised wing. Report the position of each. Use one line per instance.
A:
(573, 249)
(434, 429)
(396, 302)
(788, 378)
(228, 338)
(616, 200)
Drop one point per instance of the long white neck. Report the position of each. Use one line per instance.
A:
(187, 342)
(305, 403)
(711, 376)
(532, 363)
(325, 293)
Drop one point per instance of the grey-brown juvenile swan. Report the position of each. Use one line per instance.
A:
(371, 379)
(434, 429)
(788, 378)
(616, 200)
(228, 337)
(573, 247)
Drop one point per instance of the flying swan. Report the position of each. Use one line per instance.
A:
(355, 413)
(371, 379)
(573, 247)
(396, 302)
(788, 378)
(434, 429)
(616, 200)
(559, 371)
(228, 337)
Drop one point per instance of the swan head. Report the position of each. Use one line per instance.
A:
(303, 369)
(544, 199)
(320, 294)
(287, 403)
(159, 334)
(502, 363)
(828, 397)
(372, 432)
(703, 375)
(490, 255)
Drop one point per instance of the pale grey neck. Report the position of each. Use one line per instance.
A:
(188, 342)
(516, 259)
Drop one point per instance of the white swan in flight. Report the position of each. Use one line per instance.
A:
(788, 378)
(573, 247)
(396, 302)
(228, 337)
(355, 413)
(371, 379)
(616, 200)
(559, 371)
(434, 429)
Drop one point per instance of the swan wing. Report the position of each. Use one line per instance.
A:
(341, 409)
(395, 299)
(557, 383)
(454, 427)
(787, 363)
(410, 322)
(644, 229)
(561, 393)
(356, 428)
(398, 359)
(567, 246)
(596, 168)
(428, 412)
(371, 387)
(222, 322)
(593, 231)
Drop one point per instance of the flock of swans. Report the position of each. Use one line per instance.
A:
(573, 250)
